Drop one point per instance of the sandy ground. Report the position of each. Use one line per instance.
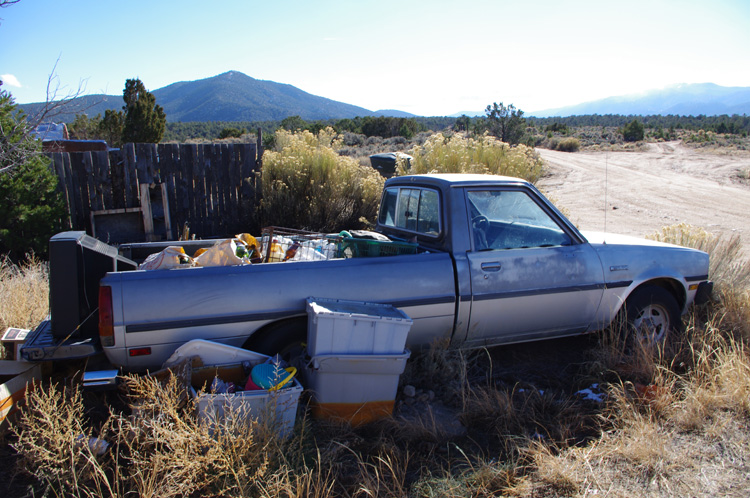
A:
(643, 191)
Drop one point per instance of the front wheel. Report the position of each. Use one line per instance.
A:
(652, 313)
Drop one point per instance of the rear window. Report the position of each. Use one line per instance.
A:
(411, 209)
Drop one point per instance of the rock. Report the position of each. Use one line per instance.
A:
(410, 391)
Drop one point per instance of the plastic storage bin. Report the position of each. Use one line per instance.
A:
(355, 388)
(337, 326)
(276, 408)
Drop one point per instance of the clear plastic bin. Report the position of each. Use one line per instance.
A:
(336, 326)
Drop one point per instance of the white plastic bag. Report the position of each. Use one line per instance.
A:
(171, 257)
(223, 253)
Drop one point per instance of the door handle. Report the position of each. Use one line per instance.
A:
(492, 266)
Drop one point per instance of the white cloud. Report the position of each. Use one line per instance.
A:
(10, 80)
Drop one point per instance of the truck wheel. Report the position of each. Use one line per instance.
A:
(652, 313)
(287, 339)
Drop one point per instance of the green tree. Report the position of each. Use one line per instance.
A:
(633, 131)
(230, 132)
(463, 123)
(293, 123)
(31, 210)
(145, 120)
(112, 127)
(84, 128)
(506, 123)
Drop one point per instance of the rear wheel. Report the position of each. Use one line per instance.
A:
(287, 339)
(652, 313)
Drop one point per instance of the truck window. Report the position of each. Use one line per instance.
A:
(511, 219)
(413, 209)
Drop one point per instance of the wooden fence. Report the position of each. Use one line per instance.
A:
(213, 187)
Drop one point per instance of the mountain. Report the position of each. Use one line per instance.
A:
(684, 99)
(231, 96)
(393, 113)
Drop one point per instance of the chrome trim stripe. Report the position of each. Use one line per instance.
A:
(557, 290)
(270, 315)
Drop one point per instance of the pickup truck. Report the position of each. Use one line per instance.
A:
(496, 263)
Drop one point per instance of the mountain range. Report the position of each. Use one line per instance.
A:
(230, 96)
(683, 100)
(234, 96)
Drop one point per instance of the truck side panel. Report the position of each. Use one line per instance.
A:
(164, 309)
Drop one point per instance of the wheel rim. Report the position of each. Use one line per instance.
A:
(652, 323)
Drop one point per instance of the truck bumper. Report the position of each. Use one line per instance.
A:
(704, 293)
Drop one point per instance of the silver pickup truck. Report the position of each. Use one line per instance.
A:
(494, 263)
(497, 263)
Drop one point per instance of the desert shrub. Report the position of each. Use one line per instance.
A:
(484, 155)
(306, 184)
(159, 450)
(231, 133)
(25, 291)
(633, 131)
(570, 144)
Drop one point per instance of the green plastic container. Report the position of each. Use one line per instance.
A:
(368, 248)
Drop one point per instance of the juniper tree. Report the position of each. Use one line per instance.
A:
(145, 120)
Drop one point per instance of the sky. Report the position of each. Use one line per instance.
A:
(429, 58)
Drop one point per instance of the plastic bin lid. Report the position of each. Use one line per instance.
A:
(354, 308)
(213, 353)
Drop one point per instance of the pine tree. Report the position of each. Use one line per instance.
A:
(32, 209)
(145, 121)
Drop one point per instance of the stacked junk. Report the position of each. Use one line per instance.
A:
(276, 245)
(355, 353)
(354, 358)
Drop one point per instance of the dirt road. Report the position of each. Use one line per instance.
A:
(644, 191)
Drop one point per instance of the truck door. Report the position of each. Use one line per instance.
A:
(532, 276)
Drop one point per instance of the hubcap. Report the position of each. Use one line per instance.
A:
(652, 324)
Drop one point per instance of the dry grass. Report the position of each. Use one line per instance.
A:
(674, 422)
(25, 293)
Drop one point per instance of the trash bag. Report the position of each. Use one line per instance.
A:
(224, 253)
(170, 257)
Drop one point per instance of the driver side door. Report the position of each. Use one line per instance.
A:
(531, 277)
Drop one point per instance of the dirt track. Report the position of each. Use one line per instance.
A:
(665, 185)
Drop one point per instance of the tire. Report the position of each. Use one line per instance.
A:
(652, 313)
(287, 338)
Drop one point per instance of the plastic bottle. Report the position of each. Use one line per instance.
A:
(289, 254)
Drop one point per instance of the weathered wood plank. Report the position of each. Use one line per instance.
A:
(117, 179)
(81, 191)
(220, 222)
(130, 176)
(144, 163)
(200, 198)
(169, 157)
(103, 178)
(188, 153)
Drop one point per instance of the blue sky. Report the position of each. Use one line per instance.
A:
(427, 58)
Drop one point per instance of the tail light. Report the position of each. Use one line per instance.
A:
(106, 318)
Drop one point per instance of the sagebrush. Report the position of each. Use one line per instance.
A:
(306, 184)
